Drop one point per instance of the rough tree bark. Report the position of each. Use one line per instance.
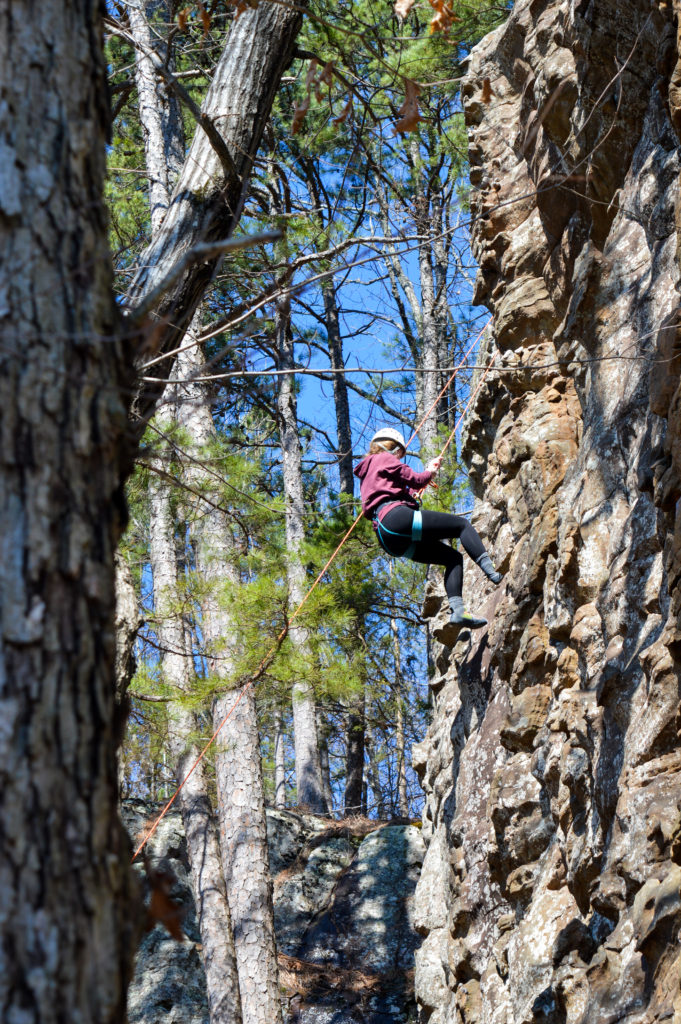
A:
(372, 770)
(354, 757)
(308, 768)
(323, 732)
(241, 807)
(197, 812)
(402, 801)
(279, 761)
(64, 878)
(340, 390)
(159, 108)
(128, 622)
(67, 932)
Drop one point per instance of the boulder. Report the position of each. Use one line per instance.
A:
(343, 912)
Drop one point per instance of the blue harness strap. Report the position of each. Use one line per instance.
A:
(415, 535)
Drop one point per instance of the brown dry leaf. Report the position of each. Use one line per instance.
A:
(182, 18)
(301, 109)
(444, 17)
(299, 112)
(410, 108)
(326, 76)
(344, 114)
(311, 75)
(244, 5)
(163, 910)
(487, 91)
(205, 18)
(403, 7)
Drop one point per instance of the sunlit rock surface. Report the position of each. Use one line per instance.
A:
(343, 905)
(552, 768)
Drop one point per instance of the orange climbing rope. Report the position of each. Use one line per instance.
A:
(270, 654)
(479, 385)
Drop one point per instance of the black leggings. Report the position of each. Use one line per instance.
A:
(437, 527)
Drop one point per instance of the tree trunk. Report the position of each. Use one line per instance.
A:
(340, 390)
(402, 802)
(206, 202)
(354, 725)
(372, 771)
(241, 806)
(446, 336)
(354, 757)
(158, 106)
(242, 821)
(128, 622)
(279, 761)
(427, 319)
(197, 813)
(308, 769)
(323, 733)
(66, 889)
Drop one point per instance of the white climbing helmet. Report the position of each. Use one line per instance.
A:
(388, 434)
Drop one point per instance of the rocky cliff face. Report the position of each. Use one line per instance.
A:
(552, 769)
(343, 908)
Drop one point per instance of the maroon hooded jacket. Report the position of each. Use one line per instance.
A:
(384, 477)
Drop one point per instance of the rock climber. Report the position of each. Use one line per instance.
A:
(387, 488)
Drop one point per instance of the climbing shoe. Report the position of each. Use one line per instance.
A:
(485, 563)
(460, 617)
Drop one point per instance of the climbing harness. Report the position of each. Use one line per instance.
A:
(414, 535)
(262, 667)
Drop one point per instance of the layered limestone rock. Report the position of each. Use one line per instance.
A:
(552, 768)
(343, 907)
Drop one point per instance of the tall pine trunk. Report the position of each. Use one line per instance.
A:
(354, 723)
(159, 108)
(373, 772)
(354, 756)
(308, 768)
(198, 820)
(426, 316)
(402, 801)
(279, 761)
(67, 928)
(241, 806)
(340, 389)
